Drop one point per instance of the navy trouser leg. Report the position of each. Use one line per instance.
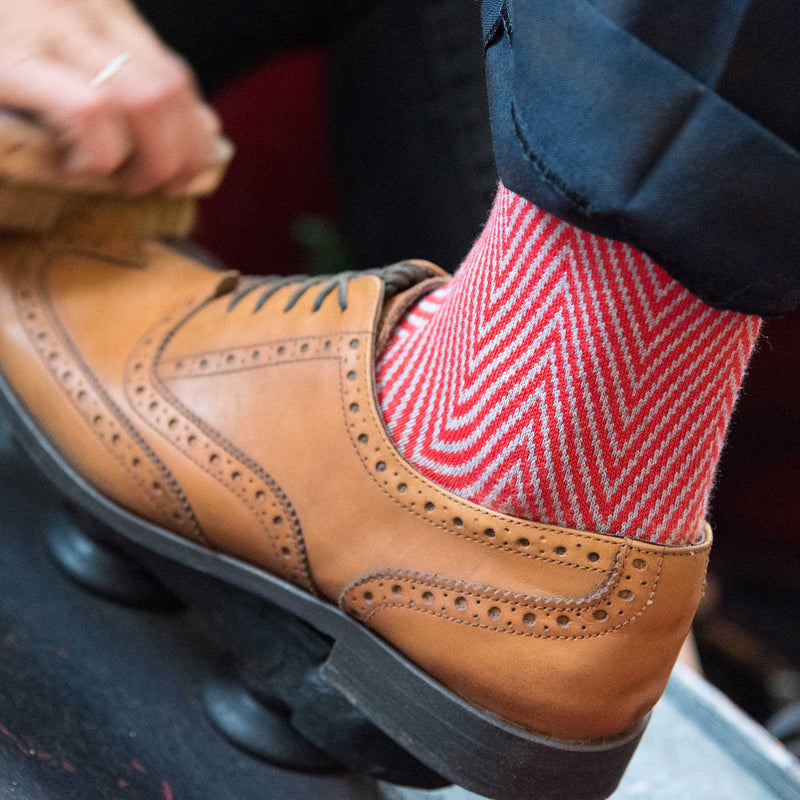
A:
(672, 126)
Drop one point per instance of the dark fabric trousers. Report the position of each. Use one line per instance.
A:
(673, 126)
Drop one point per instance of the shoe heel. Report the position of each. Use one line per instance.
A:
(280, 706)
(467, 745)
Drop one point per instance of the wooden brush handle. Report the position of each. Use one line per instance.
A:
(30, 155)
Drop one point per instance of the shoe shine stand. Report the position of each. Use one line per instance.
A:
(270, 695)
(104, 699)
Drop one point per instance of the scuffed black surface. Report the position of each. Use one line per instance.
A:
(99, 701)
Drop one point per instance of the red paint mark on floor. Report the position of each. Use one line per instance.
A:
(137, 766)
(17, 742)
(26, 750)
(122, 783)
(167, 789)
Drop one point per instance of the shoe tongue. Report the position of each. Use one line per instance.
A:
(396, 306)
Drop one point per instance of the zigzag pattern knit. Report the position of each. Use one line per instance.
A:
(566, 378)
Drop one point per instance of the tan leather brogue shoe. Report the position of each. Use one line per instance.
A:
(231, 424)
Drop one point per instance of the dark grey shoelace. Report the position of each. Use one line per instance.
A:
(396, 278)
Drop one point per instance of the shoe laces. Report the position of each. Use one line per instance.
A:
(395, 278)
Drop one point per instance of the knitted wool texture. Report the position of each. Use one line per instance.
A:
(566, 378)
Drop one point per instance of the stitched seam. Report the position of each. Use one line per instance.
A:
(253, 467)
(268, 363)
(401, 465)
(500, 22)
(46, 263)
(188, 455)
(230, 449)
(99, 252)
(601, 592)
(454, 500)
(506, 19)
(267, 343)
(532, 635)
(551, 178)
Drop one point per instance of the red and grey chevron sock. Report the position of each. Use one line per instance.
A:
(566, 378)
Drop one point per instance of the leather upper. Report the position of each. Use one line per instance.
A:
(242, 415)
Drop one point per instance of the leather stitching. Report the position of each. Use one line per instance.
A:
(300, 571)
(476, 538)
(270, 361)
(47, 260)
(499, 600)
(517, 525)
(267, 343)
(490, 592)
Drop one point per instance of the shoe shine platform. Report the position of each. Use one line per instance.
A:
(271, 695)
(217, 456)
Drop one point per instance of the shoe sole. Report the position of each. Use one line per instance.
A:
(462, 742)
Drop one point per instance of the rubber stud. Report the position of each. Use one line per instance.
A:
(261, 730)
(100, 568)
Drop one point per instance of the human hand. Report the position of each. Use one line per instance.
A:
(119, 100)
